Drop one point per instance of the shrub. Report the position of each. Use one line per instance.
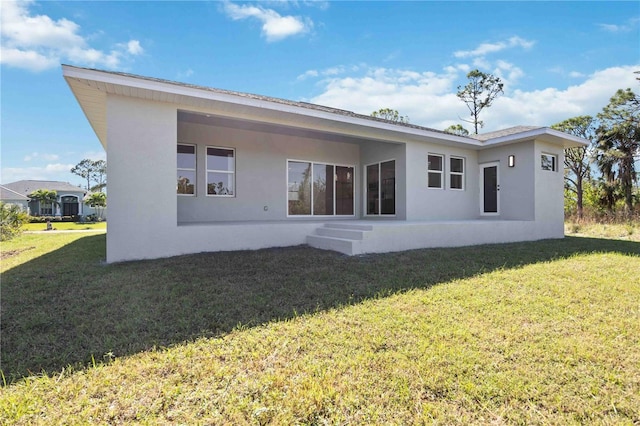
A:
(11, 219)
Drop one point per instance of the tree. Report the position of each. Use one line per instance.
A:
(100, 177)
(479, 94)
(577, 161)
(11, 219)
(45, 196)
(619, 141)
(457, 129)
(391, 115)
(92, 171)
(97, 200)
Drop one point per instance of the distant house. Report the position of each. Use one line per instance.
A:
(70, 200)
(223, 170)
(9, 196)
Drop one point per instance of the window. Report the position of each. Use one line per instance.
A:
(319, 189)
(186, 169)
(549, 162)
(435, 170)
(46, 208)
(221, 172)
(456, 173)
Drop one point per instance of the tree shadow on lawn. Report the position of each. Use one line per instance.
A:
(66, 307)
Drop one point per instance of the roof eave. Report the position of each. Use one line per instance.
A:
(544, 133)
(95, 108)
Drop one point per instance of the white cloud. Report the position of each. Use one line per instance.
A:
(94, 155)
(275, 27)
(508, 73)
(45, 157)
(621, 28)
(37, 42)
(134, 48)
(53, 170)
(307, 74)
(429, 98)
(486, 48)
(57, 171)
(329, 72)
(185, 74)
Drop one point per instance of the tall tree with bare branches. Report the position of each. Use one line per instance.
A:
(479, 94)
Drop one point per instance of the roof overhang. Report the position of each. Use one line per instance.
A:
(544, 134)
(91, 88)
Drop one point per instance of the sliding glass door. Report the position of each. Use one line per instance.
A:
(318, 189)
(381, 188)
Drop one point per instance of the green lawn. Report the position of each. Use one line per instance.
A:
(65, 226)
(532, 333)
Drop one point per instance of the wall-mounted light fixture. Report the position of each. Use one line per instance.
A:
(512, 161)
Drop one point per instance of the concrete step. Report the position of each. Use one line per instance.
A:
(354, 226)
(348, 234)
(341, 245)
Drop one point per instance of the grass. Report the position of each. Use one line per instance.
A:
(532, 333)
(65, 226)
(624, 231)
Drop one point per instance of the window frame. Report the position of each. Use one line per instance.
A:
(232, 172)
(46, 208)
(194, 170)
(461, 174)
(312, 195)
(554, 162)
(379, 199)
(435, 171)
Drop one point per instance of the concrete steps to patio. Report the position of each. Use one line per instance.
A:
(341, 237)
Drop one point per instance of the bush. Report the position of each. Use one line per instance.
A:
(11, 219)
(53, 219)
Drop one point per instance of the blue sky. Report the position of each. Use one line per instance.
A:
(557, 60)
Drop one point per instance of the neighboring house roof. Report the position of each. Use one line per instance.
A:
(11, 195)
(91, 86)
(26, 187)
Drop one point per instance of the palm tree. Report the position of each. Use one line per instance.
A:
(45, 196)
(619, 140)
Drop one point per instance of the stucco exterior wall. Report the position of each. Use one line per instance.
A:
(424, 203)
(517, 192)
(549, 198)
(261, 172)
(23, 204)
(149, 220)
(141, 164)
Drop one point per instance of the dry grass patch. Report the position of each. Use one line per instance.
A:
(623, 231)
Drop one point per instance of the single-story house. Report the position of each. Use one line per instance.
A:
(218, 170)
(70, 199)
(9, 196)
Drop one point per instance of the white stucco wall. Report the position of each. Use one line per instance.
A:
(424, 203)
(549, 205)
(517, 195)
(261, 172)
(147, 219)
(141, 162)
(23, 204)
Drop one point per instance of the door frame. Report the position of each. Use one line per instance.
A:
(366, 190)
(483, 166)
